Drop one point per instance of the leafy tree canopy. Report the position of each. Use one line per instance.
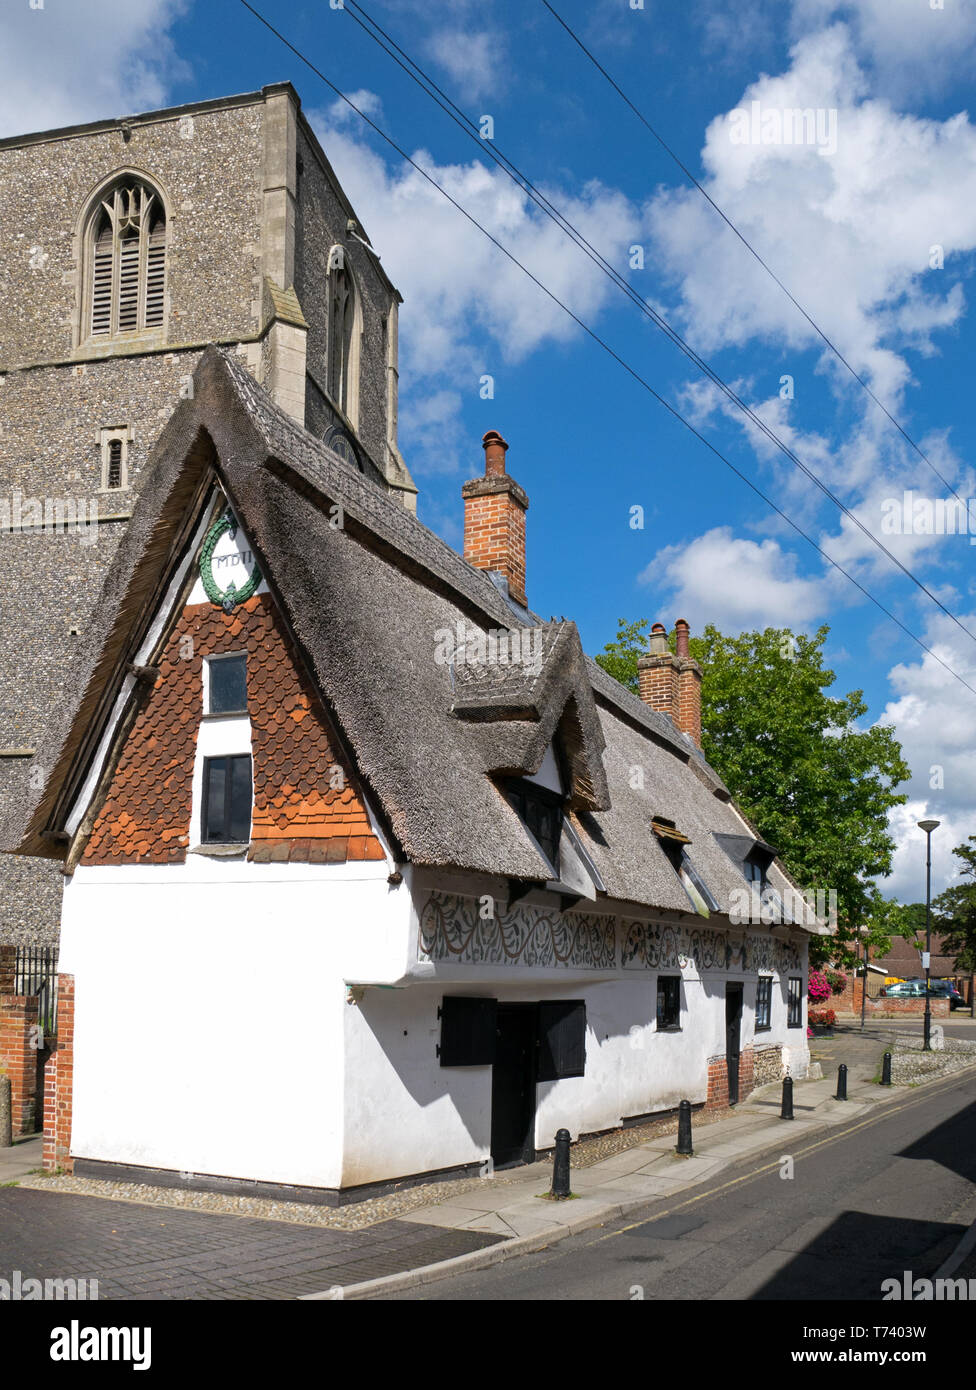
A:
(815, 785)
(955, 910)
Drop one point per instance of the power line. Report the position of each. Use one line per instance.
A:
(591, 333)
(430, 87)
(749, 247)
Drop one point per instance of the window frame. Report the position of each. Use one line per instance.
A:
(794, 1001)
(208, 710)
(121, 435)
(225, 838)
(520, 793)
(105, 269)
(664, 983)
(764, 997)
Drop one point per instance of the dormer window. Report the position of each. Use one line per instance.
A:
(674, 844)
(541, 811)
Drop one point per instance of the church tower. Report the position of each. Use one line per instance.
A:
(126, 248)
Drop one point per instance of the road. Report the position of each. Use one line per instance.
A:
(886, 1194)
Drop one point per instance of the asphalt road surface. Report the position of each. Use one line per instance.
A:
(884, 1195)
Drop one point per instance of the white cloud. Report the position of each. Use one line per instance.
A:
(850, 233)
(71, 62)
(468, 310)
(474, 60)
(912, 45)
(933, 717)
(736, 583)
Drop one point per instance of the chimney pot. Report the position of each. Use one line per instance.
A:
(681, 631)
(495, 450)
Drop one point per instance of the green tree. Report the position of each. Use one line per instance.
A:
(816, 785)
(955, 910)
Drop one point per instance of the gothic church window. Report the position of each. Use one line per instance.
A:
(343, 348)
(127, 278)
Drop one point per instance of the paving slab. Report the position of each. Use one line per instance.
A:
(25, 1156)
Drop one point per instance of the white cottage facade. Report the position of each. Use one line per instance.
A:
(347, 907)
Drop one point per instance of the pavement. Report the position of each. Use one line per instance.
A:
(25, 1157)
(137, 1250)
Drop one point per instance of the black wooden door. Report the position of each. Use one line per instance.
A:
(513, 1085)
(733, 1029)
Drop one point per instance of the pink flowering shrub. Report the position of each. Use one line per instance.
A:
(818, 987)
(837, 981)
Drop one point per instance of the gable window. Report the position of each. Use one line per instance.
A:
(794, 1002)
(127, 262)
(668, 1003)
(114, 444)
(764, 1003)
(227, 684)
(541, 811)
(227, 798)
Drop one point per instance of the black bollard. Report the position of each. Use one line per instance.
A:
(560, 1165)
(786, 1113)
(684, 1129)
(886, 1069)
(841, 1082)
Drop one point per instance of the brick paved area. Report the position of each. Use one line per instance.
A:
(141, 1252)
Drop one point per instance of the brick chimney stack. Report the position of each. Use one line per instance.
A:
(671, 684)
(494, 519)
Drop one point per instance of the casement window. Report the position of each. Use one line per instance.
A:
(764, 1003)
(668, 1002)
(343, 346)
(227, 798)
(541, 811)
(794, 1002)
(127, 262)
(227, 684)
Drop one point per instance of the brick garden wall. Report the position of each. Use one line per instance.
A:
(59, 1083)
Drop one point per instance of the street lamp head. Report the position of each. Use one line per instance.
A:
(929, 825)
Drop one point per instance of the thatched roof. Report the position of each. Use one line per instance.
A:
(368, 601)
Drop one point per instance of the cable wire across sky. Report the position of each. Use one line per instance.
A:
(591, 333)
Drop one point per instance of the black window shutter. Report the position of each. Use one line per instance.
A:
(562, 1039)
(467, 1031)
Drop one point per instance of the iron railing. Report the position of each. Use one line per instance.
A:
(36, 972)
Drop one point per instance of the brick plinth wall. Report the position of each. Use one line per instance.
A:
(887, 1006)
(58, 1084)
(18, 1057)
(717, 1097)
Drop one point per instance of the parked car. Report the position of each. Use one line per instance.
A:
(915, 989)
(945, 989)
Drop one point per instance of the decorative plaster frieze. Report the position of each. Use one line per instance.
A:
(452, 929)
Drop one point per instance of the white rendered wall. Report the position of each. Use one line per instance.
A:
(210, 1004)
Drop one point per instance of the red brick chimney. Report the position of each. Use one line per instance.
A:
(672, 684)
(494, 519)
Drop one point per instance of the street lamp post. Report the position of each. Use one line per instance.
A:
(928, 826)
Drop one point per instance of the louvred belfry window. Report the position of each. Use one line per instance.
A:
(128, 262)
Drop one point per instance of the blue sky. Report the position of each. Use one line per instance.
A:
(849, 226)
